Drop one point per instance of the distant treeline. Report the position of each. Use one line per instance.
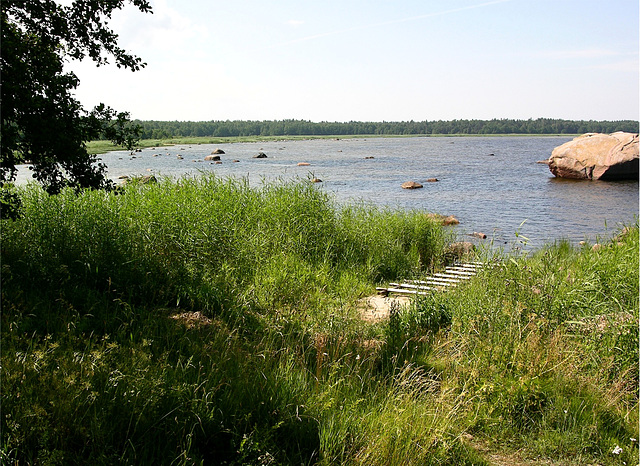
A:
(169, 129)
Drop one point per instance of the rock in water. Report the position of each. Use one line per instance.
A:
(411, 185)
(442, 220)
(450, 220)
(597, 156)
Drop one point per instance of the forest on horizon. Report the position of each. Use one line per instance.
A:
(234, 128)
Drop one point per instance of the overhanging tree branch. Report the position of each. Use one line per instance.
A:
(42, 122)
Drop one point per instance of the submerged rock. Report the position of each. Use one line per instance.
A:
(597, 156)
(260, 155)
(213, 158)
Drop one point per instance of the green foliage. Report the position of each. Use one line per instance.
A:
(202, 321)
(550, 346)
(10, 203)
(42, 122)
(411, 331)
(227, 129)
(206, 243)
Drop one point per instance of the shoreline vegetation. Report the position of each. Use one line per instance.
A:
(201, 321)
(155, 133)
(102, 146)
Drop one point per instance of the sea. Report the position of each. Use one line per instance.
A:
(494, 186)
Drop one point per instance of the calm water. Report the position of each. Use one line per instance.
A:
(488, 193)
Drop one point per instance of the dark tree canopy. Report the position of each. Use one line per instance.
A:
(42, 122)
(171, 129)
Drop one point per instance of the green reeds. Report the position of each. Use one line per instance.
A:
(201, 321)
(90, 284)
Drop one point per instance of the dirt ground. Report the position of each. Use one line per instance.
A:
(376, 308)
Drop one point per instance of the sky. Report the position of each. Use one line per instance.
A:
(373, 60)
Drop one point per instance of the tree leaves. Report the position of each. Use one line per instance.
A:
(42, 122)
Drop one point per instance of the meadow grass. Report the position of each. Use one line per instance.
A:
(202, 321)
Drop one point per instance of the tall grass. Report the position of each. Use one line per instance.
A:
(88, 284)
(549, 345)
(207, 242)
(202, 321)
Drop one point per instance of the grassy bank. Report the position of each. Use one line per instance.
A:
(204, 321)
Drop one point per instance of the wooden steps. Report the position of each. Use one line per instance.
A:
(451, 277)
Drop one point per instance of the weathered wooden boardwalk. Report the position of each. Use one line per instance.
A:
(452, 276)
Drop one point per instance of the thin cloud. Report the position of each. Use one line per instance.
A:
(295, 22)
(581, 53)
(625, 66)
(387, 23)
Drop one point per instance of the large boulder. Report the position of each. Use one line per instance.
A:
(597, 156)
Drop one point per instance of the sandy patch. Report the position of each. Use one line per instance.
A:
(376, 308)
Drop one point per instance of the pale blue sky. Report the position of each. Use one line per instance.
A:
(341, 60)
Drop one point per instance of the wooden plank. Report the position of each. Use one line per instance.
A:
(445, 275)
(436, 282)
(418, 287)
(401, 291)
(433, 280)
(460, 269)
(407, 285)
(465, 268)
(457, 272)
